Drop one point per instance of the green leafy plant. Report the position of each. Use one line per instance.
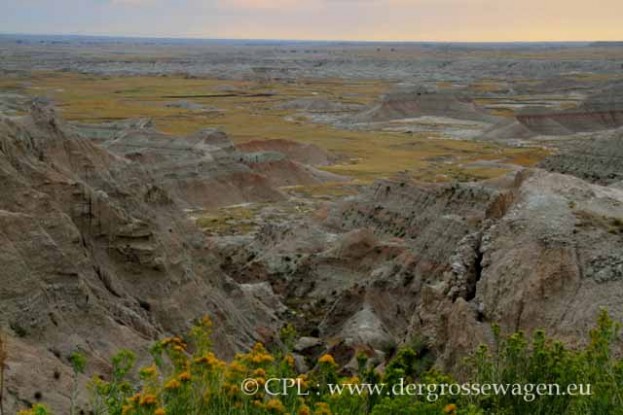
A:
(37, 409)
(515, 360)
(78, 363)
(186, 378)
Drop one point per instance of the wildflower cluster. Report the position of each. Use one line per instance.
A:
(187, 378)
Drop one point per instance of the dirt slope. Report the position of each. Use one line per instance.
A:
(96, 256)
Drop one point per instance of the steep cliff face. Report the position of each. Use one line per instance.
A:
(96, 255)
(442, 262)
(550, 261)
(539, 250)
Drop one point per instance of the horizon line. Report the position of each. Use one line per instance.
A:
(190, 37)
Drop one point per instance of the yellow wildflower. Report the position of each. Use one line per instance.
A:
(210, 360)
(147, 400)
(237, 367)
(234, 389)
(259, 355)
(261, 358)
(160, 411)
(289, 359)
(275, 406)
(353, 380)
(322, 408)
(185, 377)
(304, 410)
(259, 348)
(149, 372)
(172, 384)
(175, 341)
(327, 359)
(450, 408)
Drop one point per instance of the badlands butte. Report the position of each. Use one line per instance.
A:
(372, 195)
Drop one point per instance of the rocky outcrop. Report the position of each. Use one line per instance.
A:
(202, 170)
(555, 258)
(537, 265)
(591, 118)
(442, 262)
(205, 169)
(97, 256)
(287, 163)
(420, 102)
(597, 158)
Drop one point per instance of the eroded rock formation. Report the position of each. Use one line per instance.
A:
(97, 256)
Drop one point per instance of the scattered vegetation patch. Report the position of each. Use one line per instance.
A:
(187, 378)
(253, 113)
(228, 221)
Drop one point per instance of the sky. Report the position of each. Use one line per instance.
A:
(378, 20)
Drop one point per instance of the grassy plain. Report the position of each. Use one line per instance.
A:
(249, 110)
